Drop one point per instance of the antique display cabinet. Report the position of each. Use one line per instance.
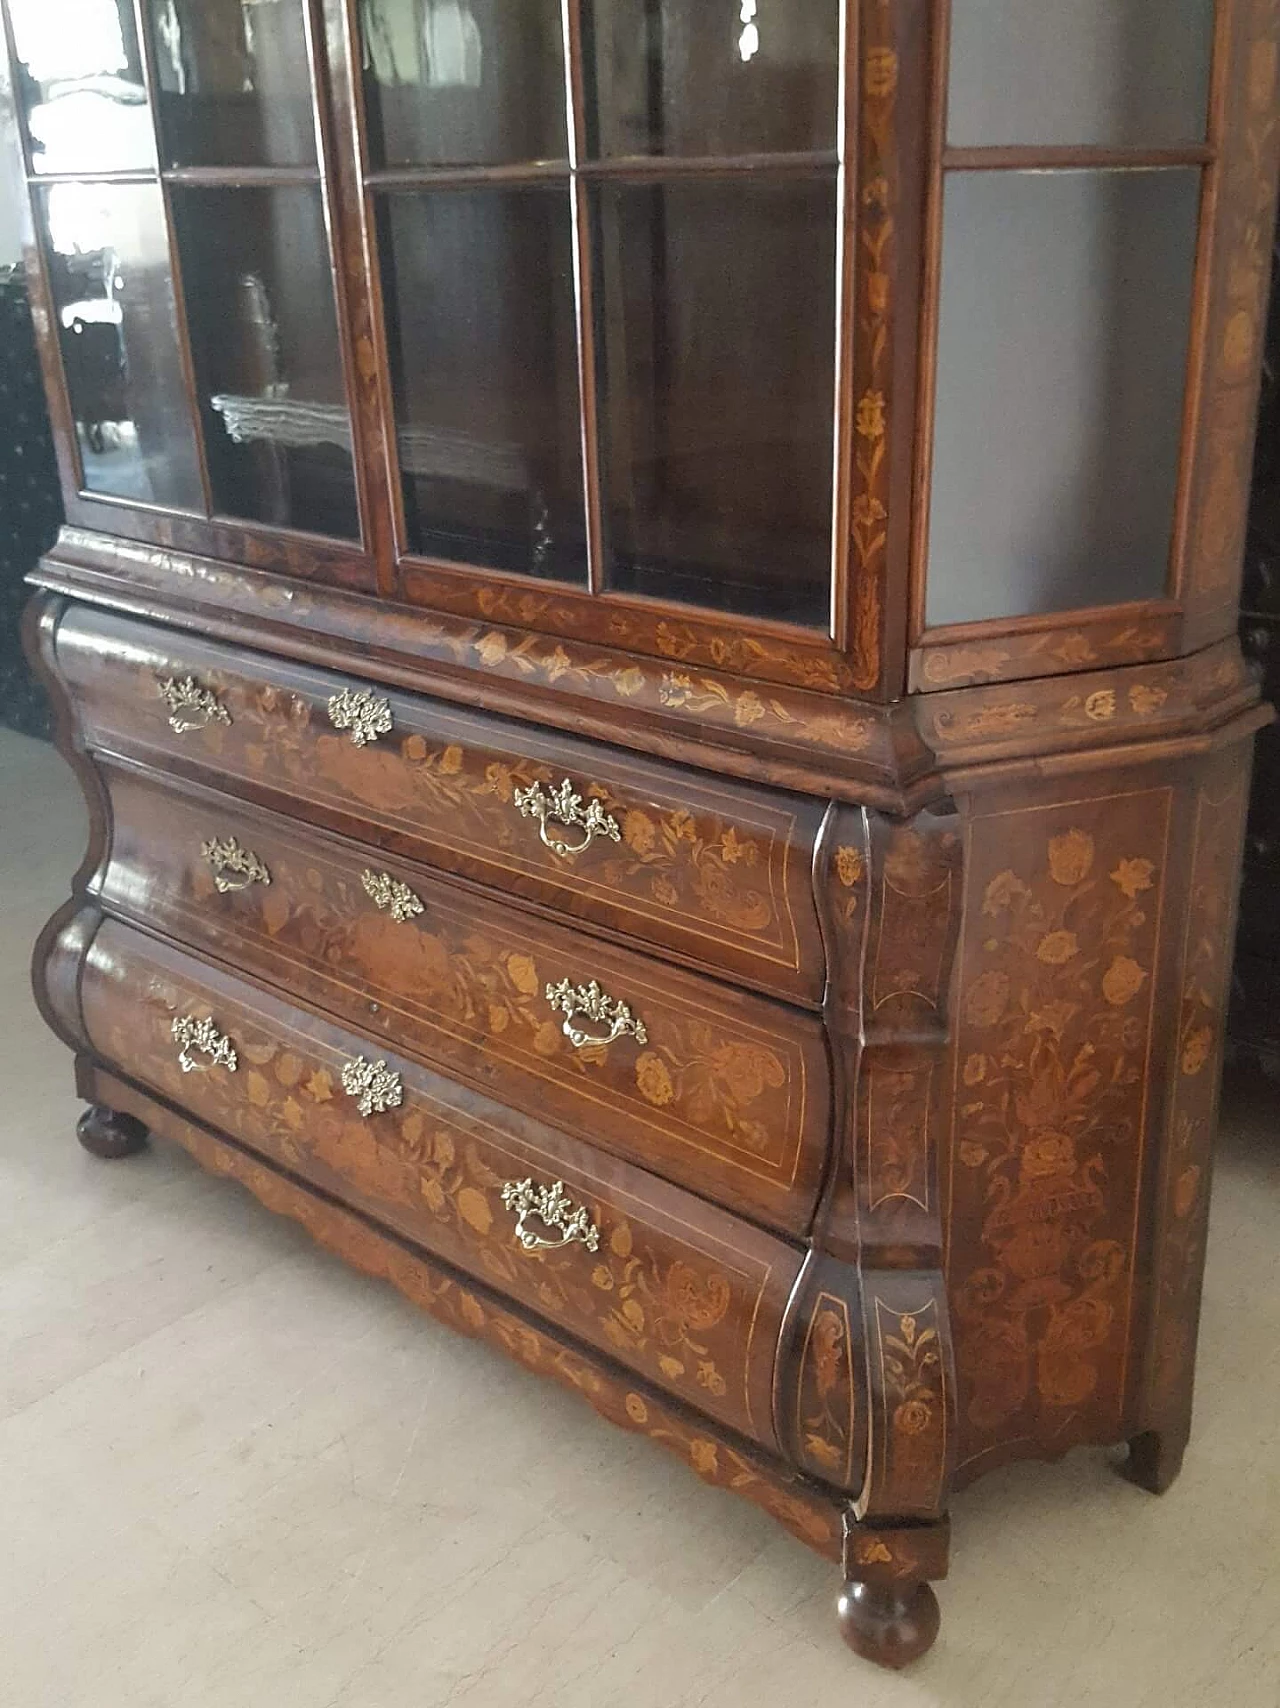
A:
(648, 620)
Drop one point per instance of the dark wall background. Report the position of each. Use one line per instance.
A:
(1255, 1007)
(30, 504)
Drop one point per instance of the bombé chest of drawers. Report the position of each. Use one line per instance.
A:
(647, 618)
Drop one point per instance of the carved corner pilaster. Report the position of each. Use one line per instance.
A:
(63, 943)
(870, 1316)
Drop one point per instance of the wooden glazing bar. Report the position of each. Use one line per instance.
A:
(653, 166)
(467, 177)
(1073, 159)
(930, 292)
(135, 175)
(356, 188)
(583, 292)
(635, 168)
(242, 177)
(846, 311)
(346, 265)
(147, 55)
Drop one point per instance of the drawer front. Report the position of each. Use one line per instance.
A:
(679, 1291)
(719, 1089)
(716, 873)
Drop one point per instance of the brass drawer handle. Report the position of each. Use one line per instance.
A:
(228, 856)
(564, 807)
(365, 714)
(554, 1210)
(204, 1037)
(190, 705)
(374, 1085)
(571, 999)
(391, 896)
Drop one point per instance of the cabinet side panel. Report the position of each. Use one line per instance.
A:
(1058, 1021)
(1180, 1213)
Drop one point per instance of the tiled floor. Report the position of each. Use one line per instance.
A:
(233, 1474)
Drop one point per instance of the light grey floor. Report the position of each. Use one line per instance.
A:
(234, 1474)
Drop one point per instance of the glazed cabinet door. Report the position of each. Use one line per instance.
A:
(1102, 176)
(183, 262)
(612, 289)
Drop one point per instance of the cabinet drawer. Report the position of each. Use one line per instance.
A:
(679, 1291)
(717, 1088)
(715, 873)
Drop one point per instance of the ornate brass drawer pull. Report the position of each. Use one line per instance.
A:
(364, 713)
(554, 1210)
(228, 857)
(571, 999)
(374, 1085)
(391, 896)
(564, 807)
(190, 705)
(204, 1037)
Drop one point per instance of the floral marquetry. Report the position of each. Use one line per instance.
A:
(1207, 934)
(609, 877)
(829, 1430)
(1057, 981)
(710, 1074)
(648, 1289)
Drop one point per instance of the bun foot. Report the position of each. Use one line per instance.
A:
(1154, 1461)
(890, 1624)
(107, 1133)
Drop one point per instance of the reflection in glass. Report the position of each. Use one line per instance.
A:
(233, 84)
(479, 292)
(717, 310)
(80, 85)
(1062, 354)
(108, 262)
(463, 82)
(694, 77)
(255, 265)
(1105, 72)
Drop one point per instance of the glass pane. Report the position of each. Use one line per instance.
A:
(80, 85)
(480, 308)
(1106, 72)
(717, 304)
(1062, 361)
(255, 269)
(233, 83)
(463, 82)
(108, 261)
(692, 77)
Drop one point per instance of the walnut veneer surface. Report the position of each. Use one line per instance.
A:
(793, 1026)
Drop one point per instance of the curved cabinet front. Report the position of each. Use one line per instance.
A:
(722, 1091)
(713, 872)
(684, 1294)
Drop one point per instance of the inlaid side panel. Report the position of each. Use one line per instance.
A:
(1052, 1069)
(1205, 932)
